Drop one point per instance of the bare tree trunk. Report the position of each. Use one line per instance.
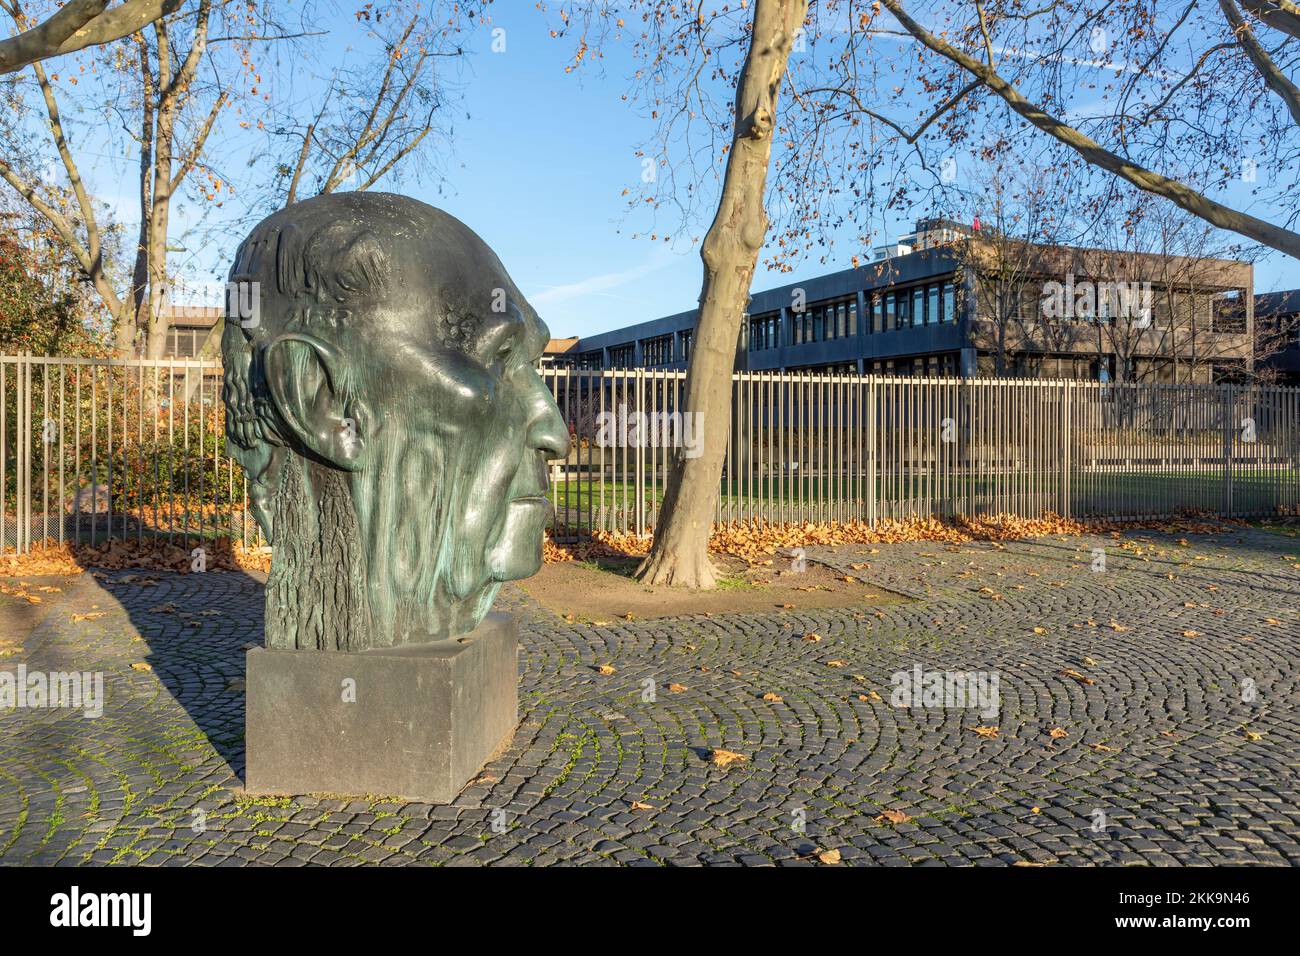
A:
(680, 554)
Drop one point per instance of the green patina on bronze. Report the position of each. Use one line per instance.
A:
(382, 395)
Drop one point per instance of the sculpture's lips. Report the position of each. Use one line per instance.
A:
(532, 502)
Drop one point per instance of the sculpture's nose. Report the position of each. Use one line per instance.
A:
(547, 431)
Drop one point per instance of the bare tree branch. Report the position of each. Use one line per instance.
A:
(1094, 153)
(81, 23)
(1281, 15)
(1275, 79)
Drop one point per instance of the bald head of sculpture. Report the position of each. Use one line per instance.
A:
(382, 395)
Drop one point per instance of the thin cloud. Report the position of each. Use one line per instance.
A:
(601, 284)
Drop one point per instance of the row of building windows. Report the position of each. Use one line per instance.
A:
(923, 305)
(943, 365)
(655, 351)
(823, 322)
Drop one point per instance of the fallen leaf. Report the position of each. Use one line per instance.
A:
(638, 805)
(1075, 675)
(725, 758)
(606, 669)
(774, 698)
(989, 733)
(677, 688)
(829, 857)
(1056, 733)
(141, 666)
(836, 663)
(893, 816)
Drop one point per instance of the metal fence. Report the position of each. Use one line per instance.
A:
(817, 448)
(96, 449)
(99, 449)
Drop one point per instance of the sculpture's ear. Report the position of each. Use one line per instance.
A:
(303, 377)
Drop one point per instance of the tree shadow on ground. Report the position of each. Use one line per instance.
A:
(195, 630)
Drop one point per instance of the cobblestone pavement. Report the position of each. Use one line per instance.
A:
(1167, 756)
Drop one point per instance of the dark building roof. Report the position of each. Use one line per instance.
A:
(1277, 303)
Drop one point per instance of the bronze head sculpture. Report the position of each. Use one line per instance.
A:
(382, 396)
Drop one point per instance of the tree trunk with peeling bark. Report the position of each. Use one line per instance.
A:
(680, 554)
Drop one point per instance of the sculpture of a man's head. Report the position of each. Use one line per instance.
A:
(382, 396)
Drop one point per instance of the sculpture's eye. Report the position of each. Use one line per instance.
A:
(500, 343)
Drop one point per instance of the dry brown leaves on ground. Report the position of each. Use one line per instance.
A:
(725, 758)
(757, 541)
(153, 554)
(25, 591)
(893, 816)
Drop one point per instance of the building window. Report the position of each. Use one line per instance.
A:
(891, 313)
(934, 315)
(949, 303)
(589, 360)
(764, 332)
(918, 306)
(877, 313)
(622, 356)
(657, 351)
(686, 336)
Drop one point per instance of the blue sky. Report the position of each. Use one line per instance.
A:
(538, 169)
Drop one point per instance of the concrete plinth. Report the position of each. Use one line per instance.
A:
(417, 722)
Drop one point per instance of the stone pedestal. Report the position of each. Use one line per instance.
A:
(417, 722)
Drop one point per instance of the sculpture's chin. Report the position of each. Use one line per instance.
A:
(518, 551)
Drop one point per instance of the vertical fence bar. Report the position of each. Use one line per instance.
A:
(800, 446)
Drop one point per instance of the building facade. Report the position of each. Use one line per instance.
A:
(194, 332)
(1278, 318)
(948, 301)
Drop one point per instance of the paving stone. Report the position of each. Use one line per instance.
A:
(1187, 772)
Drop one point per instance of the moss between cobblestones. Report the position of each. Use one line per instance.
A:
(22, 813)
(652, 755)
